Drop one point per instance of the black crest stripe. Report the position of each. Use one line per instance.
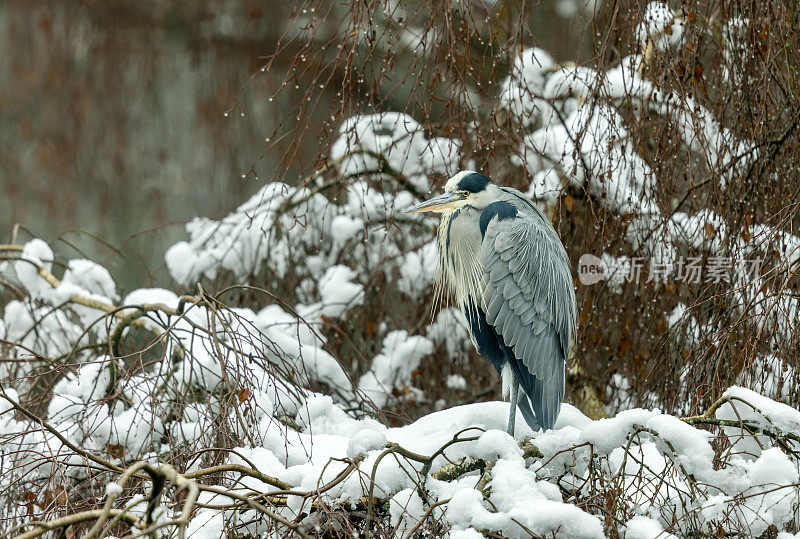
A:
(474, 183)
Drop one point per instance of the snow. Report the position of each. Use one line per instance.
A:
(365, 441)
(545, 186)
(763, 410)
(207, 524)
(770, 492)
(660, 27)
(313, 360)
(680, 317)
(456, 382)
(690, 445)
(642, 527)
(136, 429)
(570, 81)
(747, 405)
(515, 489)
(338, 292)
(273, 318)
(393, 367)
(521, 92)
(619, 394)
(252, 235)
(469, 533)
(92, 277)
(6, 404)
(520, 500)
(655, 457)
(344, 228)
(405, 510)
(736, 46)
(450, 330)
(113, 489)
(771, 376)
(35, 254)
(182, 261)
(400, 141)
(93, 380)
(56, 331)
(149, 296)
(418, 270)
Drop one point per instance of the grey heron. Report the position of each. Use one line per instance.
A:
(505, 264)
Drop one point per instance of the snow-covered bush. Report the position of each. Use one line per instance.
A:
(301, 383)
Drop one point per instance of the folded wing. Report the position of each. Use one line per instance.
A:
(529, 301)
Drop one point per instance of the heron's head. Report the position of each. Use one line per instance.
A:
(465, 188)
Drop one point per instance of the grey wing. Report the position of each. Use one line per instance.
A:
(529, 299)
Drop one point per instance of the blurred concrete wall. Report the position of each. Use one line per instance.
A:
(111, 120)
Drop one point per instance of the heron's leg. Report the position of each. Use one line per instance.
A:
(512, 408)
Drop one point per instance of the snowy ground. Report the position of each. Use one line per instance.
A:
(663, 469)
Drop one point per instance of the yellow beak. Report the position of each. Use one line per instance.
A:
(436, 204)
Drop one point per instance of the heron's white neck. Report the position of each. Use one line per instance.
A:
(460, 267)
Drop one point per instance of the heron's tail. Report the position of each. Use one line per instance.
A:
(525, 407)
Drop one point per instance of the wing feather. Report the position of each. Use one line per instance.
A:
(529, 300)
(493, 308)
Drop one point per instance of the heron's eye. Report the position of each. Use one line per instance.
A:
(464, 194)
